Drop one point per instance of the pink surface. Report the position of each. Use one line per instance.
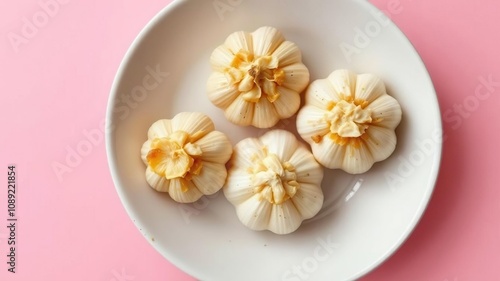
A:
(55, 77)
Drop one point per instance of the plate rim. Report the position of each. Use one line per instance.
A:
(181, 264)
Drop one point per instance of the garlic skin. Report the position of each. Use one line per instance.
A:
(186, 157)
(274, 182)
(349, 121)
(257, 77)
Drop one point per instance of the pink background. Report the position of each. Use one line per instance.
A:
(55, 88)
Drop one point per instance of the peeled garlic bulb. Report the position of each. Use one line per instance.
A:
(274, 182)
(186, 157)
(257, 77)
(349, 121)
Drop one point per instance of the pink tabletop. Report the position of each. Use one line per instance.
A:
(57, 62)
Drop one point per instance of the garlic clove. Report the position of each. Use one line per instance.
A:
(245, 152)
(146, 147)
(183, 191)
(254, 212)
(328, 153)
(238, 41)
(270, 89)
(284, 218)
(265, 40)
(265, 115)
(239, 186)
(369, 87)
(160, 129)
(220, 92)
(288, 53)
(359, 161)
(308, 200)
(288, 104)
(180, 137)
(381, 142)
(221, 57)
(386, 112)
(156, 181)
(297, 77)
(306, 168)
(273, 163)
(211, 178)
(273, 63)
(283, 145)
(196, 124)
(251, 93)
(172, 168)
(216, 147)
(310, 124)
(320, 93)
(193, 149)
(343, 82)
(240, 112)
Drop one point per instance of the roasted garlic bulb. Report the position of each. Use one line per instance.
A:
(257, 77)
(274, 182)
(349, 121)
(186, 157)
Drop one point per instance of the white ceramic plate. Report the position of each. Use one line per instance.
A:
(365, 218)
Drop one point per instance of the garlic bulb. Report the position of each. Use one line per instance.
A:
(257, 77)
(186, 157)
(349, 121)
(274, 182)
